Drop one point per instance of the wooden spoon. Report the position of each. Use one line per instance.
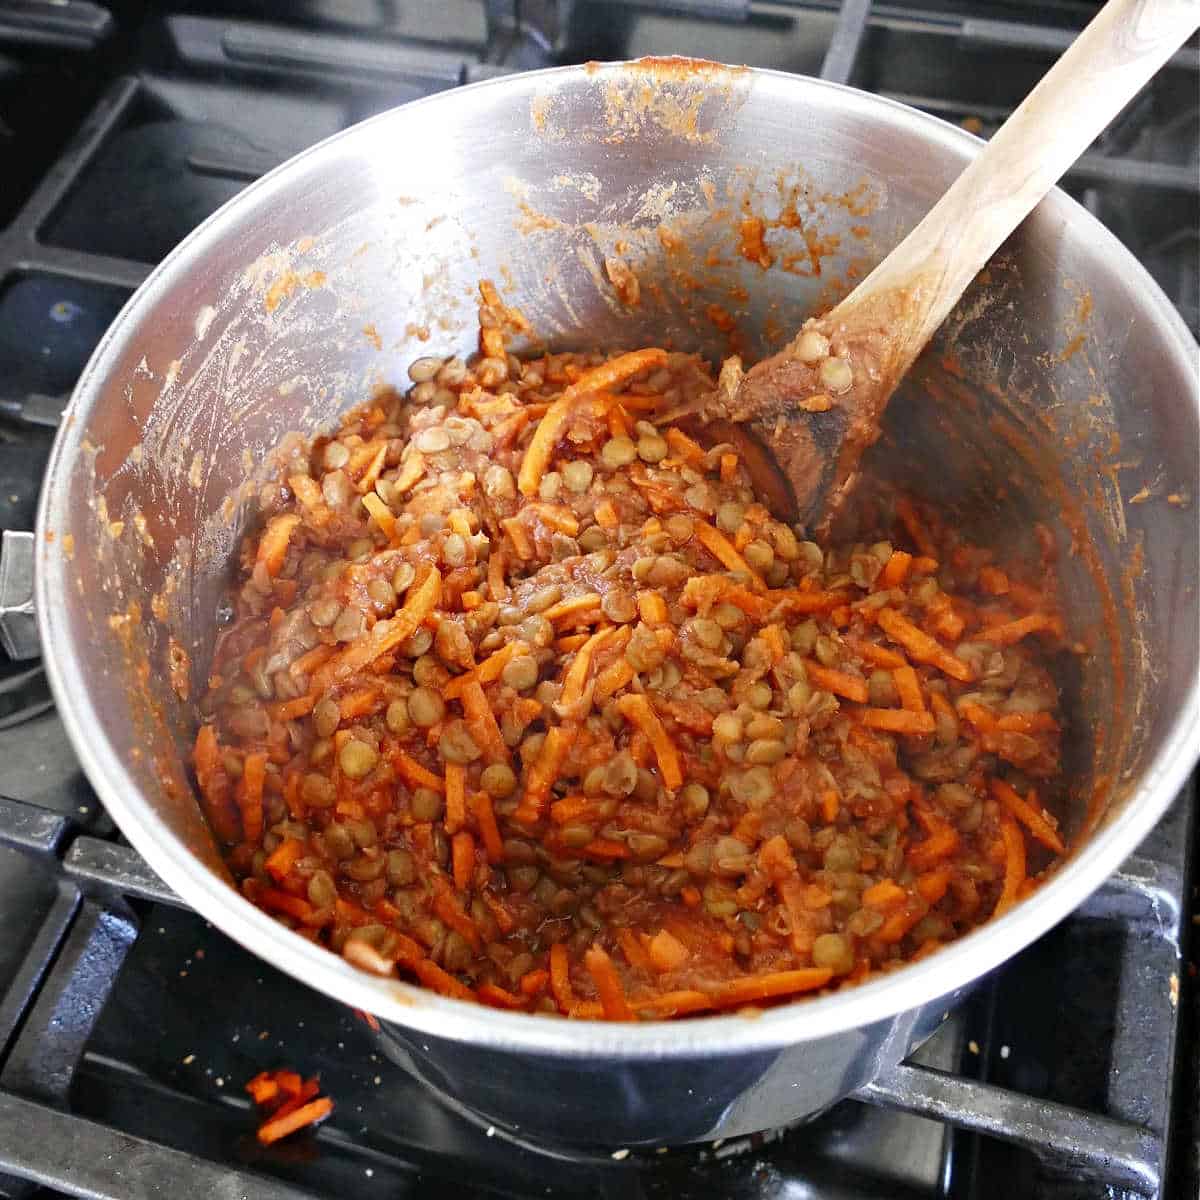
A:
(818, 402)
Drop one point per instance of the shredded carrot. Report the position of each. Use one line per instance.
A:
(690, 895)
(949, 624)
(877, 655)
(606, 514)
(541, 776)
(534, 982)
(982, 718)
(933, 885)
(308, 1114)
(1029, 814)
(1027, 722)
(636, 708)
(283, 858)
(310, 661)
(250, 795)
(553, 426)
(1014, 864)
(421, 600)
(462, 851)
(667, 952)
(1014, 631)
(560, 978)
(895, 570)
(262, 1088)
(898, 720)
(415, 773)
(618, 421)
(456, 797)
(729, 466)
(519, 537)
(830, 804)
(382, 515)
(498, 997)
(684, 448)
(907, 512)
(652, 608)
(839, 682)
(608, 984)
(485, 818)
(720, 547)
(635, 953)
(884, 894)
(776, 642)
(273, 546)
(573, 607)
(309, 493)
(613, 678)
(993, 581)
(486, 672)
(432, 976)
(765, 987)
(481, 721)
(576, 679)
(360, 703)
(938, 845)
(412, 471)
(921, 646)
(901, 920)
(570, 642)
(291, 710)
(497, 588)
(909, 688)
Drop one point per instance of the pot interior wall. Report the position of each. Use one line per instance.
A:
(1048, 397)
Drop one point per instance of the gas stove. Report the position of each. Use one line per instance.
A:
(128, 1026)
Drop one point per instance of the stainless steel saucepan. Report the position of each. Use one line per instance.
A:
(1063, 387)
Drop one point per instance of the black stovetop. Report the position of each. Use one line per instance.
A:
(128, 1026)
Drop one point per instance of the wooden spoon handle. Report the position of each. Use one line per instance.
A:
(1102, 70)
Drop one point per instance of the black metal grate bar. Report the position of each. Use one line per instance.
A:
(43, 1058)
(93, 1162)
(28, 827)
(844, 49)
(1109, 1151)
(95, 863)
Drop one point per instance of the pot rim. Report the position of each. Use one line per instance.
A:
(393, 1000)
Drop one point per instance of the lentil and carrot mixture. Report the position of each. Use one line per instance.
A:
(523, 695)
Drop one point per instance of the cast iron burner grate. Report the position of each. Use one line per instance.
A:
(127, 1025)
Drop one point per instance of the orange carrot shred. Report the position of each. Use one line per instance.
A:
(541, 776)
(635, 953)
(1029, 814)
(1014, 864)
(308, 1114)
(909, 688)
(481, 722)
(895, 570)
(853, 687)
(273, 545)
(921, 646)
(560, 978)
(722, 549)
(416, 774)
(284, 857)
(765, 987)
(553, 426)
(456, 797)
(636, 708)
(608, 985)
(898, 720)
(485, 818)
(462, 851)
